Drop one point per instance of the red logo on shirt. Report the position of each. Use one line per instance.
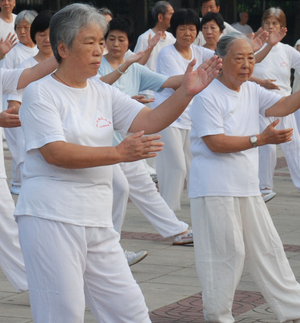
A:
(102, 122)
(283, 64)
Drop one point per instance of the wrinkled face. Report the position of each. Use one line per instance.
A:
(117, 43)
(23, 33)
(86, 52)
(43, 41)
(239, 63)
(186, 34)
(272, 24)
(209, 6)
(7, 5)
(166, 18)
(211, 33)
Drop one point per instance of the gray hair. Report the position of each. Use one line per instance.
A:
(27, 15)
(226, 41)
(160, 7)
(69, 21)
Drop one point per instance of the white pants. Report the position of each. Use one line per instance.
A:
(11, 140)
(132, 180)
(68, 265)
(11, 258)
(227, 231)
(173, 164)
(291, 150)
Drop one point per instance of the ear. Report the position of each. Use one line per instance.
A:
(160, 17)
(218, 8)
(62, 49)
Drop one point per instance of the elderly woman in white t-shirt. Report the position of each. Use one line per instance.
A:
(230, 220)
(173, 163)
(72, 253)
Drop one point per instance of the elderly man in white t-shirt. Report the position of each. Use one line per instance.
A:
(242, 25)
(207, 6)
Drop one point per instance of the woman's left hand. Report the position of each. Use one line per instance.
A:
(195, 81)
(258, 39)
(8, 44)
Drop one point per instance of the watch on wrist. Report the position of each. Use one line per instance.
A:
(253, 140)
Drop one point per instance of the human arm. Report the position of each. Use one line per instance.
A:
(7, 44)
(273, 39)
(73, 156)
(36, 72)
(285, 106)
(141, 99)
(266, 83)
(15, 104)
(9, 118)
(154, 120)
(152, 41)
(222, 143)
(115, 75)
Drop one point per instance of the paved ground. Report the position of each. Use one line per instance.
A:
(168, 276)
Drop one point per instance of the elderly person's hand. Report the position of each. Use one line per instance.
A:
(258, 39)
(195, 81)
(269, 84)
(152, 41)
(141, 99)
(276, 37)
(137, 147)
(7, 44)
(8, 118)
(273, 136)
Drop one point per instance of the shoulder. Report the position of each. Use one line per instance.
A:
(145, 35)
(170, 36)
(28, 63)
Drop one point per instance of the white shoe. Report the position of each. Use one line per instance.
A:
(183, 238)
(267, 195)
(133, 258)
(15, 189)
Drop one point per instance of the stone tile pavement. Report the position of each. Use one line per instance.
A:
(168, 276)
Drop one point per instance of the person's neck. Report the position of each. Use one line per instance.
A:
(70, 77)
(158, 27)
(184, 51)
(6, 16)
(40, 56)
(243, 24)
(229, 84)
(113, 61)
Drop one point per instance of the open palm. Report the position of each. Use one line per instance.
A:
(8, 44)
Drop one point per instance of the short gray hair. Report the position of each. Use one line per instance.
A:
(226, 41)
(69, 21)
(28, 15)
(160, 7)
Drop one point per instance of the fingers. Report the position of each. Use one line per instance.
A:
(275, 123)
(191, 66)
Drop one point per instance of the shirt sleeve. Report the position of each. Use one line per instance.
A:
(40, 118)
(266, 99)
(229, 29)
(10, 80)
(167, 63)
(206, 116)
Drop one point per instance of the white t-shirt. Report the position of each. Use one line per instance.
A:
(277, 65)
(8, 83)
(6, 28)
(142, 44)
(170, 62)
(244, 29)
(220, 110)
(52, 111)
(296, 84)
(200, 41)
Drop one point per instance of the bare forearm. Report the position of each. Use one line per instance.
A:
(73, 156)
(115, 75)
(36, 72)
(285, 106)
(173, 82)
(263, 53)
(154, 120)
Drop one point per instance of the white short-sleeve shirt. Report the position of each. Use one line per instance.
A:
(52, 111)
(220, 110)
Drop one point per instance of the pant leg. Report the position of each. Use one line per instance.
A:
(11, 258)
(267, 261)
(219, 252)
(188, 155)
(267, 158)
(55, 260)
(171, 167)
(291, 149)
(120, 197)
(11, 139)
(111, 292)
(143, 193)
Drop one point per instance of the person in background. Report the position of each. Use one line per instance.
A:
(277, 67)
(212, 26)
(7, 19)
(24, 49)
(208, 6)
(242, 26)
